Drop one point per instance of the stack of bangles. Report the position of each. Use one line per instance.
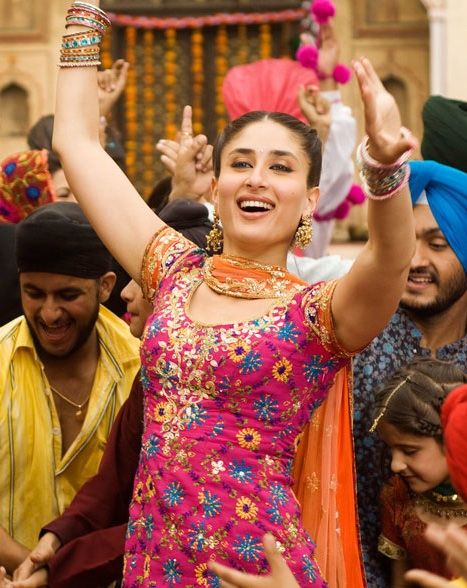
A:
(382, 180)
(82, 49)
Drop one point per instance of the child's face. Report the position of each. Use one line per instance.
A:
(419, 460)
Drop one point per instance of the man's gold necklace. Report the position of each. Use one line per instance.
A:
(79, 414)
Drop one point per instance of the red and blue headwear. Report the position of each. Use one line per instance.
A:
(25, 184)
(446, 192)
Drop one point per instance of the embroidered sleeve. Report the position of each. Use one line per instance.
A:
(165, 253)
(391, 543)
(317, 307)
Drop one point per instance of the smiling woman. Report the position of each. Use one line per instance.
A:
(237, 343)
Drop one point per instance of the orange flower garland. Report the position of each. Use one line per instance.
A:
(265, 40)
(197, 70)
(131, 110)
(170, 78)
(106, 50)
(149, 98)
(222, 66)
(242, 40)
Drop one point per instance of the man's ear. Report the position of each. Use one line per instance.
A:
(106, 285)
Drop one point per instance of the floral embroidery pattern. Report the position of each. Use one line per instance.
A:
(223, 407)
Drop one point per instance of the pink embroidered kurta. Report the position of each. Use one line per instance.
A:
(224, 405)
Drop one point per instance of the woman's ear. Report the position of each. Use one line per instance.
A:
(313, 195)
(215, 192)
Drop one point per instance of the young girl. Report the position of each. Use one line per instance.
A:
(238, 353)
(407, 418)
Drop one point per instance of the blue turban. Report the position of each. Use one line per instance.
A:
(446, 192)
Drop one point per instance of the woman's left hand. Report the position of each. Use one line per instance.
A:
(387, 140)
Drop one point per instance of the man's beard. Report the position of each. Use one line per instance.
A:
(453, 290)
(83, 336)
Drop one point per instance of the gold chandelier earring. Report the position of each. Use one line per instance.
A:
(304, 233)
(215, 237)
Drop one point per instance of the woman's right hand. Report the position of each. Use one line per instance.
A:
(387, 140)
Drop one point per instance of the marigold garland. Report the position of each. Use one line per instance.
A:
(210, 20)
(131, 110)
(106, 50)
(242, 40)
(265, 40)
(197, 71)
(222, 66)
(149, 98)
(170, 79)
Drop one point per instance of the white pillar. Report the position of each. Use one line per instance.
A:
(438, 45)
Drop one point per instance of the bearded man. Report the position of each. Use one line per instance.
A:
(67, 365)
(431, 321)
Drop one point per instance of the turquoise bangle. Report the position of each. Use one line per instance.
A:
(84, 42)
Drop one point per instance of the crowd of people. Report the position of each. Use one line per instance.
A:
(188, 396)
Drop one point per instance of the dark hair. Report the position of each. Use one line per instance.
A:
(307, 137)
(159, 196)
(412, 399)
(40, 137)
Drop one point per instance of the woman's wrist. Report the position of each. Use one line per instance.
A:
(382, 180)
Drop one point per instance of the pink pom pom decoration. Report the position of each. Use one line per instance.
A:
(322, 11)
(341, 73)
(307, 55)
(342, 211)
(356, 195)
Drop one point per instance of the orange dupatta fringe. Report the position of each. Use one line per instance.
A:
(325, 486)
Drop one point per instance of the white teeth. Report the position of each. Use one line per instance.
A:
(420, 280)
(255, 204)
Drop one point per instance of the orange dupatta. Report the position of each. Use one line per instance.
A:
(325, 487)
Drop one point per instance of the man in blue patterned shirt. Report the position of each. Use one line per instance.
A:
(431, 321)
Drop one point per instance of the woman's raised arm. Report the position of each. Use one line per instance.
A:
(366, 298)
(119, 215)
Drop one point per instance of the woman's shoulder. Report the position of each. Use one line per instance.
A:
(167, 254)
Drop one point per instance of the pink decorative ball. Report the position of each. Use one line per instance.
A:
(307, 55)
(322, 11)
(342, 211)
(356, 195)
(341, 73)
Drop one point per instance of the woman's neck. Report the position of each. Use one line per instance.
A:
(271, 256)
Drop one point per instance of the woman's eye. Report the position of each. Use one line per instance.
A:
(241, 164)
(281, 167)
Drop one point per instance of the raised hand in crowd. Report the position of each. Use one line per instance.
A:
(317, 110)
(279, 577)
(451, 540)
(111, 83)
(189, 161)
(329, 54)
